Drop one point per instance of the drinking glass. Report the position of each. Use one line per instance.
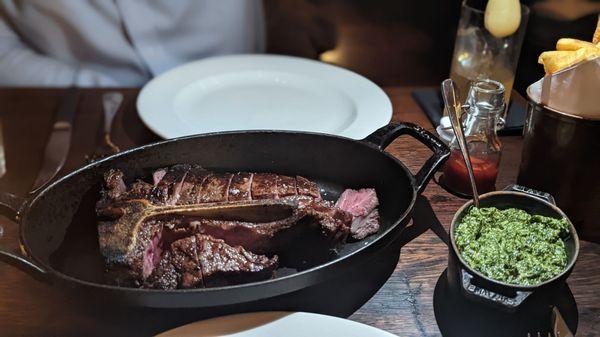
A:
(478, 55)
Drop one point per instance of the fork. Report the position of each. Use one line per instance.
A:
(111, 102)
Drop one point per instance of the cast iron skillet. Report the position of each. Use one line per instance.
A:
(58, 227)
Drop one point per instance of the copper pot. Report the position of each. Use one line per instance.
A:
(561, 155)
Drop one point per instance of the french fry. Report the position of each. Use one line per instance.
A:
(569, 52)
(573, 44)
(554, 61)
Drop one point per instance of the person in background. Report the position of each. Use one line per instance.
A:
(125, 43)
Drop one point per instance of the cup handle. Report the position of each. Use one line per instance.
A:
(510, 303)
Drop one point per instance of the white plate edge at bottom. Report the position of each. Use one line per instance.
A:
(255, 320)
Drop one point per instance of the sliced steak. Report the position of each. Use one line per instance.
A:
(362, 204)
(363, 226)
(264, 186)
(307, 187)
(203, 261)
(286, 186)
(214, 188)
(168, 190)
(115, 187)
(147, 225)
(358, 203)
(130, 265)
(185, 184)
(165, 275)
(184, 257)
(223, 264)
(158, 175)
(239, 187)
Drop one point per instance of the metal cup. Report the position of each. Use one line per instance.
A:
(561, 155)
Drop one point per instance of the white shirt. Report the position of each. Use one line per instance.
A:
(119, 42)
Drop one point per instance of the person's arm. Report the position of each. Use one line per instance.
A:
(22, 66)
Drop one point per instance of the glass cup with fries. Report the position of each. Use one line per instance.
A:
(480, 55)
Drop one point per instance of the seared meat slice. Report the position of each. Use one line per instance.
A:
(362, 204)
(358, 203)
(164, 276)
(214, 188)
(187, 185)
(307, 187)
(363, 226)
(115, 187)
(286, 186)
(223, 264)
(138, 261)
(167, 191)
(184, 258)
(264, 186)
(190, 187)
(203, 261)
(239, 187)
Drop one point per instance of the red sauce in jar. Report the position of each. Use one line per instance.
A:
(456, 176)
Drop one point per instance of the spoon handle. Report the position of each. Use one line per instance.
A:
(454, 108)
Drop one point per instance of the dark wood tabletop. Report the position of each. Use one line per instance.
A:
(403, 306)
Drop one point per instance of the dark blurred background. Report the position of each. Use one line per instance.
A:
(395, 42)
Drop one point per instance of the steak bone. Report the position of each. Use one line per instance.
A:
(118, 234)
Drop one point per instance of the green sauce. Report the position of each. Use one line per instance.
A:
(513, 246)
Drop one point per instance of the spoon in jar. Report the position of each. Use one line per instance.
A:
(454, 108)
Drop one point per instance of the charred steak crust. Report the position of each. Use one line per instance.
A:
(203, 261)
(264, 186)
(187, 184)
(239, 187)
(132, 263)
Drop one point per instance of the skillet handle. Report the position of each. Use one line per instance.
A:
(534, 193)
(477, 293)
(382, 137)
(15, 205)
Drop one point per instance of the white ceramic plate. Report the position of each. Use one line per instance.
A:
(276, 324)
(262, 92)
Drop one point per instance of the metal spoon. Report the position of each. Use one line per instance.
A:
(454, 108)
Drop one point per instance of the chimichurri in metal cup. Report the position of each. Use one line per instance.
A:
(513, 246)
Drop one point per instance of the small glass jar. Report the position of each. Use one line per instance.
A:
(482, 117)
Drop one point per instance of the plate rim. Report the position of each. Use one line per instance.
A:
(146, 114)
(302, 314)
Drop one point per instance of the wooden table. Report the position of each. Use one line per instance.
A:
(403, 306)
